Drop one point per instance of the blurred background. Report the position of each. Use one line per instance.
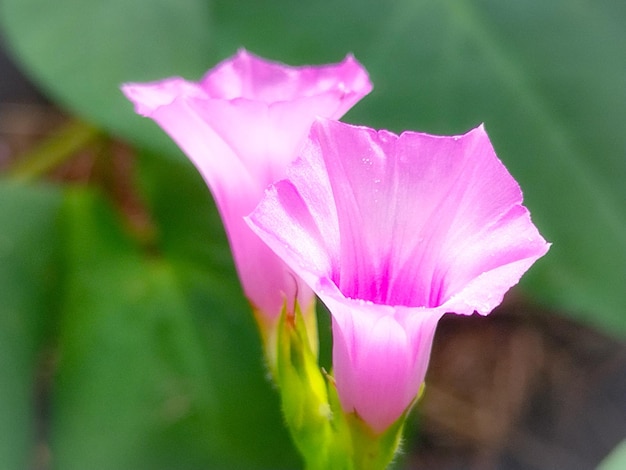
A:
(125, 342)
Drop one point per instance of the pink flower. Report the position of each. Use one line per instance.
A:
(240, 126)
(392, 232)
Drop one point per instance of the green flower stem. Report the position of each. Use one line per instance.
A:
(54, 151)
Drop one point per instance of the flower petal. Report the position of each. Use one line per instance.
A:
(392, 232)
(416, 212)
(380, 358)
(241, 125)
(250, 77)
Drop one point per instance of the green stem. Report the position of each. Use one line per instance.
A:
(54, 151)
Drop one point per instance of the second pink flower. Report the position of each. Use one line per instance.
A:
(240, 126)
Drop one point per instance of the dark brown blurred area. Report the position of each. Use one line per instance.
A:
(25, 115)
(524, 388)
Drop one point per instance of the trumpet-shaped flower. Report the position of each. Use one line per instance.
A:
(241, 125)
(392, 232)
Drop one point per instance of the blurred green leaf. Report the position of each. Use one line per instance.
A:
(81, 51)
(189, 228)
(160, 366)
(28, 249)
(192, 238)
(547, 78)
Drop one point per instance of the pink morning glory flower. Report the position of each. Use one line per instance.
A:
(392, 232)
(241, 125)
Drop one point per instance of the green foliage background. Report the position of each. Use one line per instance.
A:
(156, 360)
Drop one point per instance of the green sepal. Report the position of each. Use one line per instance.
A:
(269, 330)
(303, 393)
(367, 450)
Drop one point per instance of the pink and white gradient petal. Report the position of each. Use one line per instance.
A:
(241, 125)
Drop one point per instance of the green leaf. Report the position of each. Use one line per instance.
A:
(189, 228)
(545, 77)
(28, 250)
(191, 236)
(80, 52)
(130, 366)
(160, 364)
